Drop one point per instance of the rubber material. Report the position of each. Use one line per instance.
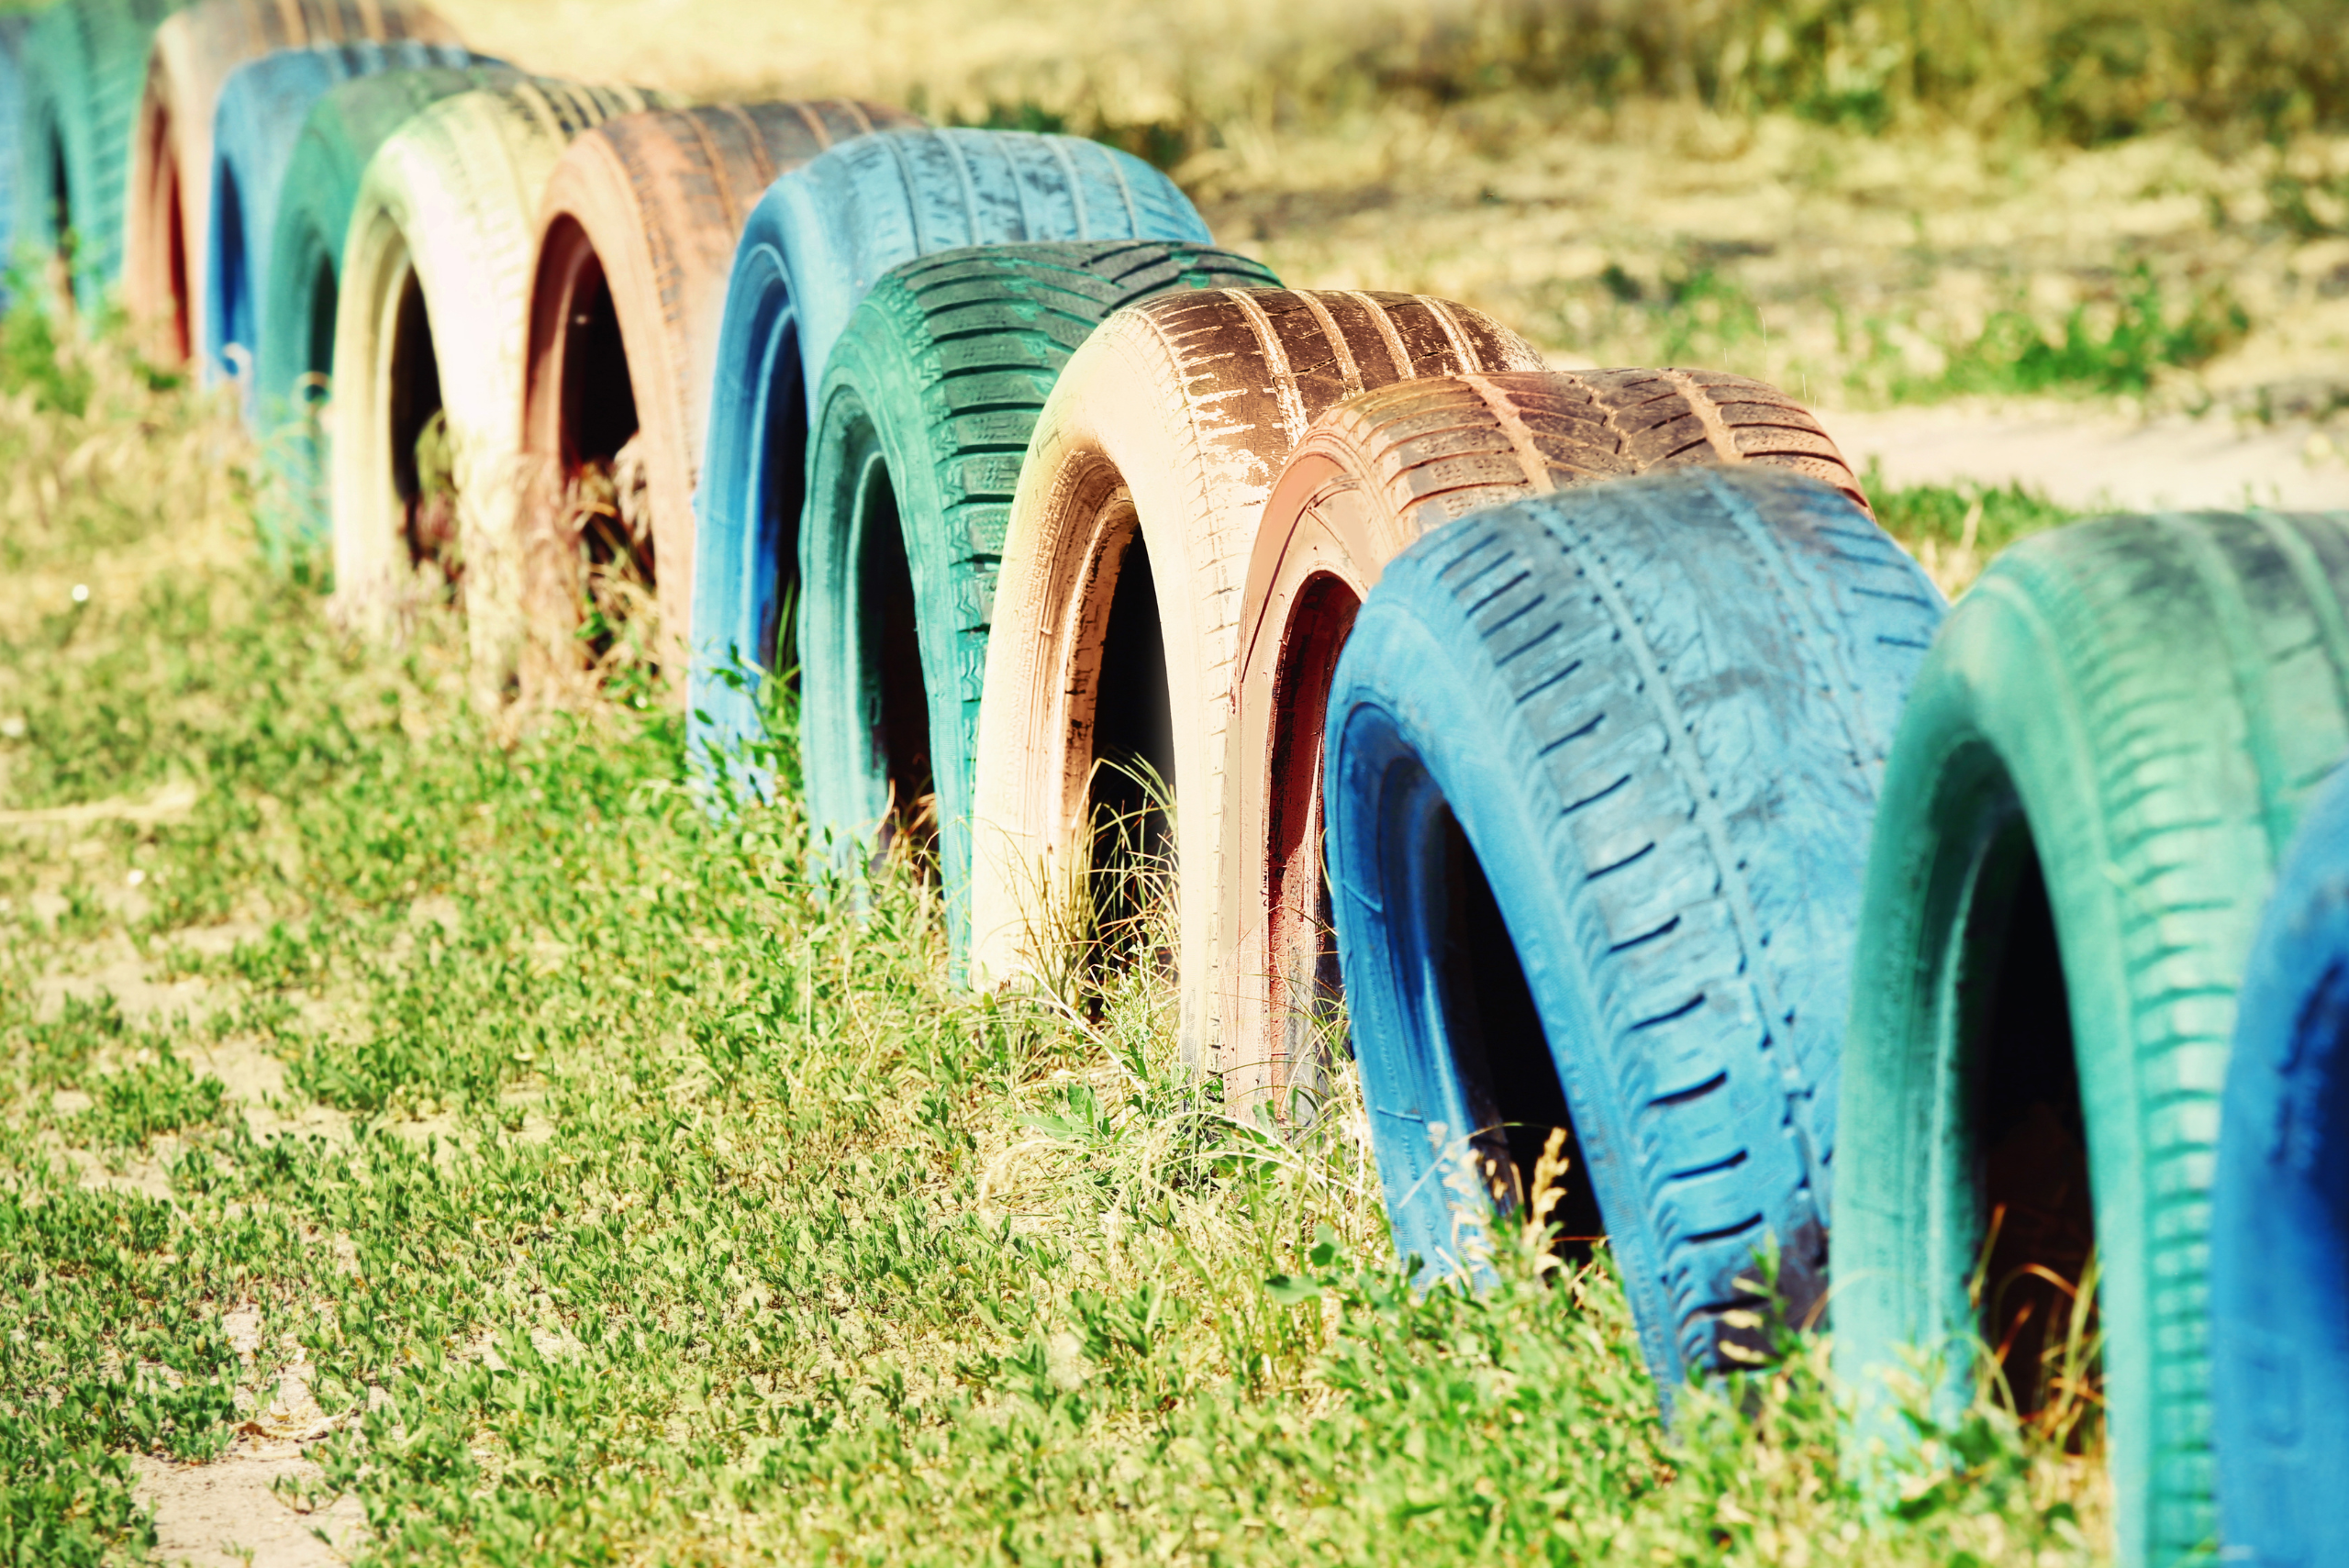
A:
(443, 225)
(1168, 426)
(636, 234)
(13, 29)
(167, 213)
(923, 418)
(2280, 1234)
(814, 244)
(1657, 711)
(1371, 475)
(85, 66)
(262, 107)
(294, 360)
(2142, 705)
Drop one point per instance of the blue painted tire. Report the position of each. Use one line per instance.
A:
(819, 239)
(295, 356)
(2279, 1233)
(13, 29)
(85, 67)
(1655, 712)
(264, 106)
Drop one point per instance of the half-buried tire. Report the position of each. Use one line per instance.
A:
(85, 67)
(430, 330)
(264, 106)
(1601, 772)
(1371, 475)
(1117, 605)
(167, 211)
(822, 236)
(2279, 1235)
(636, 234)
(294, 361)
(921, 425)
(2100, 765)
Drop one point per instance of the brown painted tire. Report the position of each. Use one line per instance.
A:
(636, 238)
(430, 317)
(1167, 427)
(167, 215)
(1373, 475)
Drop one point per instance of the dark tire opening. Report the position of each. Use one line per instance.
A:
(2028, 1133)
(1306, 989)
(178, 339)
(318, 356)
(783, 485)
(598, 398)
(1133, 742)
(1503, 1056)
(899, 700)
(419, 436)
(236, 269)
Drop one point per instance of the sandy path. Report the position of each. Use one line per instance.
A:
(2099, 459)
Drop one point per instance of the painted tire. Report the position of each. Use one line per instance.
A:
(167, 213)
(1601, 772)
(636, 234)
(85, 67)
(814, 244)
(431, 313)
(294, 363)
(1167, 430)
(2098, 768)
(2279, 1233)
(262, 107)
(1371, 477)
(921, 424)
(13, 29)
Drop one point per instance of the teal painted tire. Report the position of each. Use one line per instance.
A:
(921, 424)
(2100, 765)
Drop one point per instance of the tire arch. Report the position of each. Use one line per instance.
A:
(1371, 476)
(639, 221)
(815, 243)
(442, 225)
(1169, 427)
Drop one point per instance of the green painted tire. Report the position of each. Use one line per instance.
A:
(85, 66)
(303, 246)
(2128, 713)
(923, 419)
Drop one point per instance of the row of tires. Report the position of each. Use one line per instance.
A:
(1579, 730)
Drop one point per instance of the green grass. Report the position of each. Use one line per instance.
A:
(637, 1193)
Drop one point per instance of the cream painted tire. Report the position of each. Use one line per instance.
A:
(1371, 476)
(636, 239)
(167, 220)
(431, 313)
(1167, 427)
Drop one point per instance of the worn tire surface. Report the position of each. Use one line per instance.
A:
(436, 277)
(2128, 713)
(262, 106)
(636, 234)
(294, 363)
(921, 425)
(2280, 1232)
(1168, 428)
(85, 67)
(167, 213)
(822, 236)
(1369, 478)
(1631, 734)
